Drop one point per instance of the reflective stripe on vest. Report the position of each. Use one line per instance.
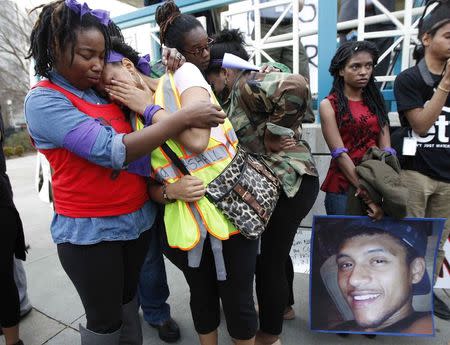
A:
(184, 221)
(193, 164)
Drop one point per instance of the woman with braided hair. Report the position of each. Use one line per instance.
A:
(225, 273)
(102, 209)
(353, 119)
(217, 261)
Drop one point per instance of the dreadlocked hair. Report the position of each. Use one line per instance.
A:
(430, 23)
(115, 32)
(371, 95)
(55, 30)
(173, 25)
(119, 46)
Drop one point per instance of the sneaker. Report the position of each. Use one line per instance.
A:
(441, 310)
(168, 331)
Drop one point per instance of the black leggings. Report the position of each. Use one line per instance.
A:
(106, 276)
(236, 292)
(271, 280)
(9, 296)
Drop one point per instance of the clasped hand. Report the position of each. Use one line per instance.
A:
(373, 210)
(275, 143)
(137, 99)
(188, 188)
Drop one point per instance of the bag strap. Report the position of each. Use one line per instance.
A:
(252, 202)
(175, 159)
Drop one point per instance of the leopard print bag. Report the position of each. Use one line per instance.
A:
(246, 192)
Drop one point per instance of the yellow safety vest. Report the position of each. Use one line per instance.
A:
(184, 220)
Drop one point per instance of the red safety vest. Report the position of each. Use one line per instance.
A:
(82, 189)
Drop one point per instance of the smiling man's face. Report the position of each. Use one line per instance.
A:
(375, 279)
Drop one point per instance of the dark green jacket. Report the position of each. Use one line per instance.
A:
(379, 173)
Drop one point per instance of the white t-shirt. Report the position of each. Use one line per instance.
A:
(188, 76)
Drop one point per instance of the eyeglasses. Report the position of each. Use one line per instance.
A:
(199, 51)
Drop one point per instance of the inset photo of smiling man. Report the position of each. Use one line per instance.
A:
(373, 277)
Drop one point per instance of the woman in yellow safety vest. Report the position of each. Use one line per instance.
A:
(217, 261)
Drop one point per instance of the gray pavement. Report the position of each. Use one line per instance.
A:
(58, 310)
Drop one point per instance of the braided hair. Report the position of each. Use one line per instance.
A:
(430, 23)
(115, 32)
(55, 30)
(118, 45)
(371, 95)
(173, 25)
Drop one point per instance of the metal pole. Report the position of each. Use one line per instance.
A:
(384, 10)
(407, 34)
(295, 38)
(257, 33)
(327, 17)
(361, 17)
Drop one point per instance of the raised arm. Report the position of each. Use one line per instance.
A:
(421, 118)
(192, 87)
(288, 96)
(193, 139)
(198, 113)
(54, 122)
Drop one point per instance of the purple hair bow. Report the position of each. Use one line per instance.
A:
(143, 64)
(82, 9)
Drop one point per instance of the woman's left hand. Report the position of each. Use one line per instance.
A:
(375, 211)
(268, 69)
(133, 97)
(189, 189)
(275, 143)
(363, 194)
(172, 58)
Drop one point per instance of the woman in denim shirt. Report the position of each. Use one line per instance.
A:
(102, 210)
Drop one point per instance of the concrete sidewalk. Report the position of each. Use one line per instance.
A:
(58, 310)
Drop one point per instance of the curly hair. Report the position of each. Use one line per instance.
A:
(173, 25)
(55, 30)
(371, 95)
(226, 41)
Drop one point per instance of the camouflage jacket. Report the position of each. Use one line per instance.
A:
(258, 99)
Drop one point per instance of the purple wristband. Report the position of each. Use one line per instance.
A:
(149, 112)
(390, 150)
(338, 151)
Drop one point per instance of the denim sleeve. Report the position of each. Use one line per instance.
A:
(54, 122)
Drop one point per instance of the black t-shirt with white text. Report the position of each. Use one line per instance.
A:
(433, 149)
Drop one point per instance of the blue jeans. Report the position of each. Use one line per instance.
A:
(153, 290)
(335, 203)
